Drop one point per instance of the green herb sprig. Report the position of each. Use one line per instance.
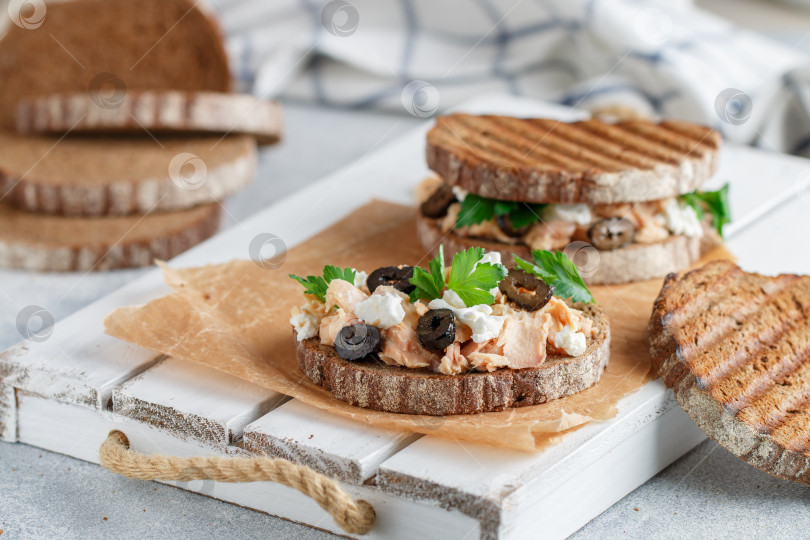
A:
(714, 202)
(469, 278)
(558, 271)
(476, 209)
(317, 285)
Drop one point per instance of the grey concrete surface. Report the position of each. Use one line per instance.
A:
(707, 494)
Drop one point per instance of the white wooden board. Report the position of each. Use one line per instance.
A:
(195, 401)
(73, 387)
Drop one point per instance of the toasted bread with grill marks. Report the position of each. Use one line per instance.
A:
(592, 161)
(374, 385)
(735, 348)
(635, 262)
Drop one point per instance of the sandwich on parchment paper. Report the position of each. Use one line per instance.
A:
(629, 189)
(735, 348)
(467, 338)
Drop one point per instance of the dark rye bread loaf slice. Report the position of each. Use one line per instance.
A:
(374, 385)
(61, 244)
(636, 262)
(154, 111)
(113, 176)
(735, 349)
(593, 161)
(103, 47)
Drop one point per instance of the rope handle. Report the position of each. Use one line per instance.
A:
(353, 516)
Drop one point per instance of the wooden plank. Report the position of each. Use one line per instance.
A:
(77, 363)
(191, 400)
(330, 444)
(79, 431)
(8, 413)
(499, 485)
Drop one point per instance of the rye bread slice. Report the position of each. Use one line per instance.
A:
(62, 244)
(636, 262)
(105, 47)
(111, 176)
(374, 385)
(547, 161)
(735, 348)
(154, 111)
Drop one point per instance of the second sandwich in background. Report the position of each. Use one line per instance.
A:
(629, 189)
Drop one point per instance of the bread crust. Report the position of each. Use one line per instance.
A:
(545, 161)
(116, 196)
(751, 400)
(151, 237)
(155, 111)
(636, 262)
(375, 385)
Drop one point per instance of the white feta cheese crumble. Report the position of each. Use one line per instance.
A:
(306, 325)
(359, 278)
(381, 309)
(573, 343)
(682, 219)
(460, 193)
(479, 318)
(573, 213)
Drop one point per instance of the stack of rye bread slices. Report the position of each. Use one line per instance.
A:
(603, 170)
(117, 144)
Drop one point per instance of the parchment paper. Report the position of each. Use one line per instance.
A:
(234, 317)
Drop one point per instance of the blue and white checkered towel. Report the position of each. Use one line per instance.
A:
(660, 57)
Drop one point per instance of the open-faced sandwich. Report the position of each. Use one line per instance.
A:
(459, 339)
(628, 189)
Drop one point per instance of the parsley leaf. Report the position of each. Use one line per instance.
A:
(429, 284)
(476, 209)
(715, 202)
(558, 271)
(317, 285)
(472, 281)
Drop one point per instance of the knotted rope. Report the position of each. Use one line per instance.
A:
(354, 517)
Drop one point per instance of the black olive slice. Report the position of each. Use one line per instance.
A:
(357, 341)
(525, 290)
(611, 233)
(436, 329)
(395, 276)
(505, 224)
(437, 204)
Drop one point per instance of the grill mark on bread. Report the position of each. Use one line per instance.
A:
(530, 153)
(704, 136)
(548, 134)
(775, 365)
(714, 319)
(579, 134)
(632, 140)
(682, 144)
(751, 389)
(752, 335)
(777, 383)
